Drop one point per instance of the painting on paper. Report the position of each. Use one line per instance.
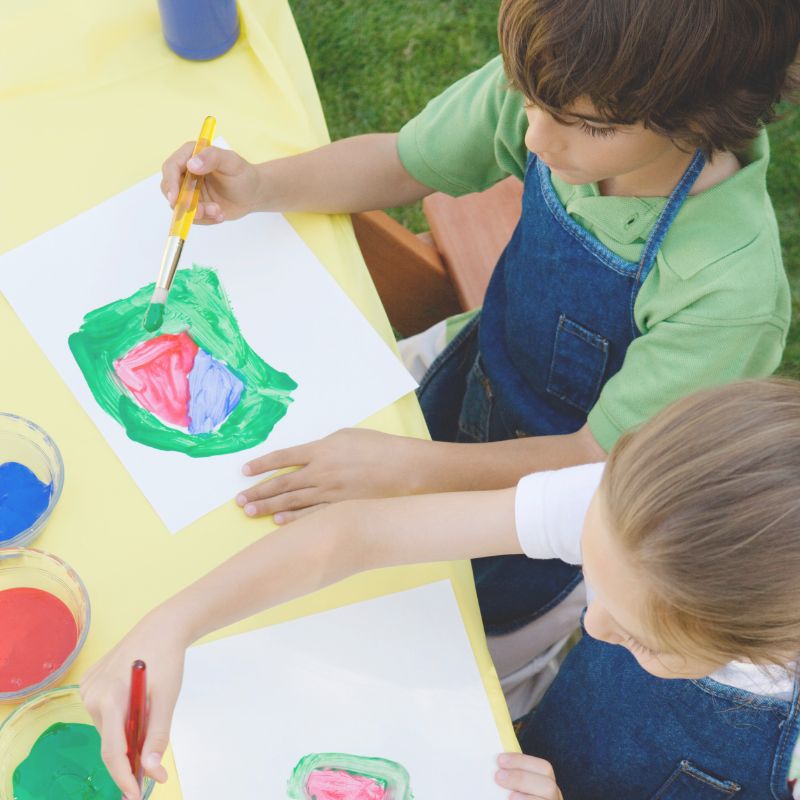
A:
(260, 348)
(195, 386)
(343, 776)
(377, 700)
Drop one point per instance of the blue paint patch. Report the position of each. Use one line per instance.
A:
(23, 499)
(214, 391)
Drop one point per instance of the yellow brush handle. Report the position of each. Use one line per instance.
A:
(186, 205)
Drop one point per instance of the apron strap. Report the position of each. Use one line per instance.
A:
(668, 214)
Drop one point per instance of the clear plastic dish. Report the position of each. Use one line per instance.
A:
(24, 442)
(24, 567)
(20, 732)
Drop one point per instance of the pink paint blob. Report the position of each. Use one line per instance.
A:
(334, 784)
(156, 373)
(37, 634)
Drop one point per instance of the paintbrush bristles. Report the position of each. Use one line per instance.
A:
(154, 317)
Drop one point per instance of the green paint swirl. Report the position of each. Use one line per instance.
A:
(197, 304)
(65, 764)
(388, 774)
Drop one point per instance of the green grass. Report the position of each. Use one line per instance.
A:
(378, 62)
(784, 187)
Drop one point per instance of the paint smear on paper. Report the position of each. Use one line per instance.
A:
(214, 391)
(197, 387)
(156, 373)
(23, 499)
(334, 784)
(37, 634)
(65, 764)
(340, 776)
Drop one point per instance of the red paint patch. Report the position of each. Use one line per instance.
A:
(156, 372)
(335, 784)
(37, 634)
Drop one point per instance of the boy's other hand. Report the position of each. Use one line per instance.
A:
(351, 464)
(231, 185)
(527, 777)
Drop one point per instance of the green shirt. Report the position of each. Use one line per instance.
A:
(716, 305)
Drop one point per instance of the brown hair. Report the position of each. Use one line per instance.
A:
(705, 498)
(707, 73)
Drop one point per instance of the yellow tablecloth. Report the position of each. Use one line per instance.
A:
(92, 101)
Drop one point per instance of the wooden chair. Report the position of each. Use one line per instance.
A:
(424, 278)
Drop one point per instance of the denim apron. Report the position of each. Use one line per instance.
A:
(612, 730)
(556, 323)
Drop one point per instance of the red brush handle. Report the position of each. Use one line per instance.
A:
(136, 722)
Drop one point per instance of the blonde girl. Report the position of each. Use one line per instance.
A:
(689, 539)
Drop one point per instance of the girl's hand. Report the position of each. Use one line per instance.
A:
(105, 692)
(527, 777)
(351, 464)
(230, 189)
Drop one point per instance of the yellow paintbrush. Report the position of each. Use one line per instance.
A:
(185, 208)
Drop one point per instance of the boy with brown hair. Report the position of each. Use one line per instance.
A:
(646, 265)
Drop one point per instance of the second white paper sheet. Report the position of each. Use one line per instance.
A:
(289, 309)
(393, 678)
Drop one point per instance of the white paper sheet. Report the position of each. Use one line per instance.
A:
(393, 677)
(290, 310)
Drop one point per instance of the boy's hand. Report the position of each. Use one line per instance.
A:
(351, 464)
(230, 189)
(528, 778)
(105, 690)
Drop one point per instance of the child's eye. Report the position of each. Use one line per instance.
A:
(593, 131)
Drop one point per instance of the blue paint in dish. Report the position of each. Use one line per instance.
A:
(23, 499)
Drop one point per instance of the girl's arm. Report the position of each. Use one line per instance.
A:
(347, 538)
(309, 554)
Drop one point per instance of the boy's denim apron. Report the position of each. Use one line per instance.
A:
(556, 322)
(612, 730)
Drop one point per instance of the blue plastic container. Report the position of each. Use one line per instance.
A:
(199, 29)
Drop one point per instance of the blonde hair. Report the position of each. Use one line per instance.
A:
(705, 498)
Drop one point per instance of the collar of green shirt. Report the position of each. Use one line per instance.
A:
(710, 226)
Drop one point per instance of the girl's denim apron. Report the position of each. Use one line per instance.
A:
(612, 730)
(556, 322)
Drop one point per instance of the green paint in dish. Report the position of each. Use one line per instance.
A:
(65, 764)
(198, 306)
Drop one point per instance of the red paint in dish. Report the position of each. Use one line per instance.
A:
(37, 634)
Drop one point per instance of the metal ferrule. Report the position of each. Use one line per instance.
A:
(169, 262)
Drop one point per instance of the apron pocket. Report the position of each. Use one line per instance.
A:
(476, 409)
(578, 365)
(688, 782)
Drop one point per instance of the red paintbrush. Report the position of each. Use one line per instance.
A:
(136, 722)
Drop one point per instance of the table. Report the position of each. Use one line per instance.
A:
(92, 101)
